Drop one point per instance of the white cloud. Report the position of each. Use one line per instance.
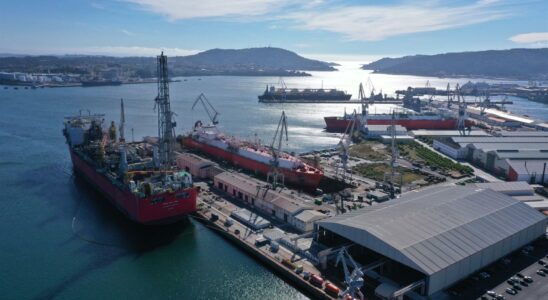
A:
(105, 50)
(377, 22)
(367, 22)
(127, 32)
(129, 51)
(188, 9)
(530, 38)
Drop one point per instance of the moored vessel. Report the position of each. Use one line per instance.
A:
(138, 178)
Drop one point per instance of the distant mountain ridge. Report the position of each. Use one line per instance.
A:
(523, 64)
(265, 61)
(268, 58)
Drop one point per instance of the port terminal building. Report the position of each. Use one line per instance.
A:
(428, 240)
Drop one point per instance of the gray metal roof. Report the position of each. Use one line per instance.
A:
(432, 229)
(529, 167)
(506, 146)
(507, 186)
(447, 133)
(523, 133)
(523, 154)
(493, 139)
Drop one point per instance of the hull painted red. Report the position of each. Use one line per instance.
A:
(309, 180)
(337, 124)
(157, 209)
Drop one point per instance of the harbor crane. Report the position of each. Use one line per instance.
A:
(122, 121)
(274, 176)
(449, 96)
(365, 108)
(393, 155)
(208, 107)
(354, 280)
(428, 88)
(462, 115)
(344, 145)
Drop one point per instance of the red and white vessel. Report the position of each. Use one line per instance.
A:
(251, 156)
(409, 120)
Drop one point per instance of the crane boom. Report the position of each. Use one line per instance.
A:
(212, 113)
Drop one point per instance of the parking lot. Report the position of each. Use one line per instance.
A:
(494, 278)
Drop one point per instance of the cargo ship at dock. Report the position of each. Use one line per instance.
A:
(280, 95)
(411, 121)
(251, 156)
(138, 178)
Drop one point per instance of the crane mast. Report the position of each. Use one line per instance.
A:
(274, 176)
(365, 108)
(166, 125)
(122, 121)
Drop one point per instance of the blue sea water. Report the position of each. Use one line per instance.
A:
(60, 240)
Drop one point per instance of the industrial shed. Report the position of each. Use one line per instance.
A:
(445, 233)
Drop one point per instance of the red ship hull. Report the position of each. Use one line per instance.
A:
(162, 208)
(294, 177)
(337, 124)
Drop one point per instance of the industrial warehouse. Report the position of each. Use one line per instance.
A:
(515, 157)
(432, 239)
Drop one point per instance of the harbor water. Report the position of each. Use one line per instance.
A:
(61, 240)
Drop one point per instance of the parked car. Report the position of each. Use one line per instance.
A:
(542, 262)
(520, 275)
(511, 291)
(516, 287)
(541, 273)
(528, 279)
(491, 293)
(484, 275)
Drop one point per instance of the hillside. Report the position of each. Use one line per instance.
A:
(252, 62)
(524, 64)
(265, 58)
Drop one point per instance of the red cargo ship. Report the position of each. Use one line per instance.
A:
(411, 121)
(139, 177)
(251, 156)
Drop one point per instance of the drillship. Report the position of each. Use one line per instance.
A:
(253, 156)
(138, 177)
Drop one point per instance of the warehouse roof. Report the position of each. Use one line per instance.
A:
(496, 139)
(524, 133)
(507, 146)
(523, 154)
(506, 187)
(529, 167)
(447, 133)
(432, 229)
(310, 215)
(385, 127)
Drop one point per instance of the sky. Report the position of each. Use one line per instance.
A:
(323, 29)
